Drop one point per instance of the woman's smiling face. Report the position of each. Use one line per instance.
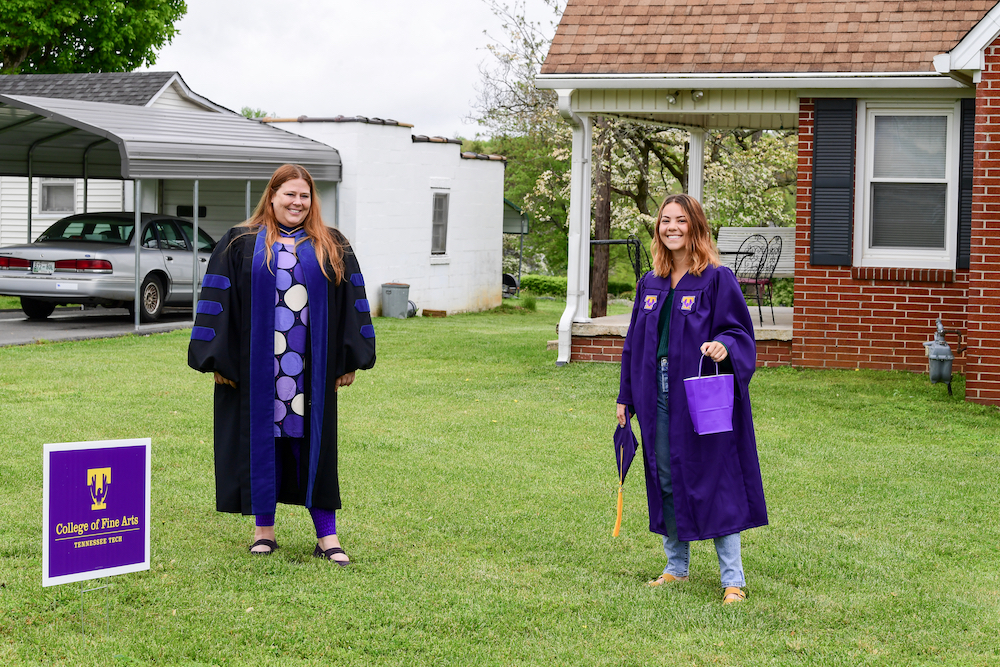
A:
(291, 202)
(673, 229)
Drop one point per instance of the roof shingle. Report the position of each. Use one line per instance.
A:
(757, 36)
(131, 88)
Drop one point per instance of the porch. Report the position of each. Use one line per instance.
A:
(601, 339)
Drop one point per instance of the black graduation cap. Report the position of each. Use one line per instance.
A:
(625, 448)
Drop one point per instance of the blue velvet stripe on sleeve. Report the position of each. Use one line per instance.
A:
(215, 281)
(357, 280)
(367, 331)
(361, 305)
(202, 333)
(209, 307)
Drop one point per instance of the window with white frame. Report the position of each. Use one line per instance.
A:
(57, 195)
(907, 185)
(439, 224)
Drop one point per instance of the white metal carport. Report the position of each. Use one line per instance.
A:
(62, 138)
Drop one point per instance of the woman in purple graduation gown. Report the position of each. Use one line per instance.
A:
(283, 323)
(699, 487)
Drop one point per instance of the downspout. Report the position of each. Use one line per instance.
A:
(577, 276)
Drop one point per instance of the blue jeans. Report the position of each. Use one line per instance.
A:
(727, 548)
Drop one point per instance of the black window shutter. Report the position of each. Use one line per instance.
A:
(834, 129)
(965, 181)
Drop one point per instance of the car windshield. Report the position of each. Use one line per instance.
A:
(96, 230)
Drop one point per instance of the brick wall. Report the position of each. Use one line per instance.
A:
(597, 348)
(864, 318)
(609, 349)
(982, 382)
(774, 353)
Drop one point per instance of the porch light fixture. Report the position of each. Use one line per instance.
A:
(696, 95)
(672, 97)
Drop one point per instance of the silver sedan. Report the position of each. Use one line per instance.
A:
(90, 259)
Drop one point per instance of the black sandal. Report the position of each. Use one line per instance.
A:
(329, 553)
(270, 544)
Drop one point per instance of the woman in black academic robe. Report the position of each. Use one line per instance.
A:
(283, 323)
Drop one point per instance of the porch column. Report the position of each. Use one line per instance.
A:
(696, 164)
(578, 275)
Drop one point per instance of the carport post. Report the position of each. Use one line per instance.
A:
(30, 180)
(195, 278)
(137, 234)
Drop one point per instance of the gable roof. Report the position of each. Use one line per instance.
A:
(758, 36)
(130, 88)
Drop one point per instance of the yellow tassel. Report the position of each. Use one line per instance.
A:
(618, 521)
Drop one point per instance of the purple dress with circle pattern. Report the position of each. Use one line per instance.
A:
(291, 319)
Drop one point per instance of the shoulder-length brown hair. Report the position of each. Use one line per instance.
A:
(329, 250)
(701, 249)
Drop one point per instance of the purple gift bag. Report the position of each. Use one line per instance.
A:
(710, 401)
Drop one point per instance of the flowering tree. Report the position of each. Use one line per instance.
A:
(748, 179)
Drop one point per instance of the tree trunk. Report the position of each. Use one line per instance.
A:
(602, 220)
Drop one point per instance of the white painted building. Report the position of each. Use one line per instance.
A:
(417, 211)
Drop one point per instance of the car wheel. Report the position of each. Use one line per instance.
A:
(151, 299)
(35, 309)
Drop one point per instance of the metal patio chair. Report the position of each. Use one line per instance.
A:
(767, 271)
(750, 259)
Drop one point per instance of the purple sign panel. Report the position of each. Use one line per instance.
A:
(95, 510)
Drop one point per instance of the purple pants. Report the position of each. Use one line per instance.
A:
(325, 521)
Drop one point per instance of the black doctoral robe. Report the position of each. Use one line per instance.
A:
(234, 335)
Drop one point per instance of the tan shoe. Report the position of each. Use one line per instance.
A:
(733, 594)
(665, 579)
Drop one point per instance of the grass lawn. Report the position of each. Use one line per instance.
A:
(479, 492)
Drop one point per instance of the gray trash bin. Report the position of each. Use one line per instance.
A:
(395, 300)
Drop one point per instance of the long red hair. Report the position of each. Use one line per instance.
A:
(701, 249)
(329, 250)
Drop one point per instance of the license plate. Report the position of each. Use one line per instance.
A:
(43, 267)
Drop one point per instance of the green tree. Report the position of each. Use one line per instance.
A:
(256, 113)
(56, 36)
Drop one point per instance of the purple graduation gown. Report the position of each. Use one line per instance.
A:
(716, 478)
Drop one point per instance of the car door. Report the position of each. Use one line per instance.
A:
(176, 258)
(205, 246)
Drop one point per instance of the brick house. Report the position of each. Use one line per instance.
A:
(897, 106)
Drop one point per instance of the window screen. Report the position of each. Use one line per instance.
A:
(909, 183)
(58, 197)
(439, 224)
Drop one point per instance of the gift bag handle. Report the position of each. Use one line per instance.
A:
(701, 364)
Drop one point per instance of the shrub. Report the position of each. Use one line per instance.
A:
(544, 285)
(621, 287)
(556, 285)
